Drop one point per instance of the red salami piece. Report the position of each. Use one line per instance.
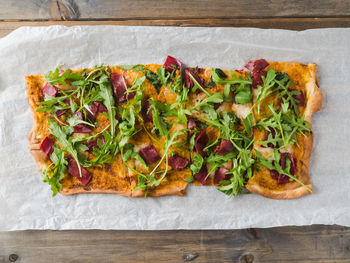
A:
(201, 175)
(82, 128)
(149, 154)
(224, 148)
(46, 147)
(201, 143)
(221, 175)
(147, 115)
(119, 88)
(172, 64)
(256, 68)
(95, 108)
(73, 170)
(49, 90)
(93, 143)
(189, 81)
(178, 163)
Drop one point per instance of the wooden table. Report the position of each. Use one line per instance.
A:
(316, 243)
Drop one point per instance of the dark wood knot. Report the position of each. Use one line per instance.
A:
(247, 258)
(190, 256)
(254, 232)
(13, 257)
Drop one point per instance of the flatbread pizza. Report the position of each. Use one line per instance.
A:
(150, 130)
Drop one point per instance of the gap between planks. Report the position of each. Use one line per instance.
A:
(278, 23)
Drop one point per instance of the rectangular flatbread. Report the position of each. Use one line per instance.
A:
(149, 130)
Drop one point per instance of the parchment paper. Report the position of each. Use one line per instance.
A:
(26, 202)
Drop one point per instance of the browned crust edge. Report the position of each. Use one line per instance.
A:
(313, 105)
(83, 190)
(34, 142)
(173, 190)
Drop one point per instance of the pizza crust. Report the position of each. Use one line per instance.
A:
(293, 189)
(176, 187)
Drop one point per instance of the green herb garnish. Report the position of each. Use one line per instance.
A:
(285, 125)
(275, 165)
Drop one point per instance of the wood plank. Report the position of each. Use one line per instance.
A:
(280, 23)
(322, 244)
(169, 9)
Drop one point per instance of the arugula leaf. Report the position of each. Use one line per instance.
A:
(106, 94)
(170, 142)
(142, 183)
(215, 98)
(197, 162)
(130, 153)
(248, 123)
(225, 126)
(163, 75)
(130, 113)
(282, 84)
(158, 111)
(159, 124)
(55, 77)
(53, 104)
(61, 136)
(267, 88)
(74, 120)
(285, 125)
(198, 86)
(243, 93)
(178, 108)
(105, 152)
(192, 142)
(216, 160)
(227, 90)
(277, 81)
(189, 179)
(236, 184)
(243, 97)
(56, 170)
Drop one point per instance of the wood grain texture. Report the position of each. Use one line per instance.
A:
(278, 23)
(322, 244)
(169, 9)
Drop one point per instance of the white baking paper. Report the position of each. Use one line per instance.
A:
(26, 202)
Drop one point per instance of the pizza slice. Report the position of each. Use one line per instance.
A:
(283, 130)
(277, 119)
(139, 130)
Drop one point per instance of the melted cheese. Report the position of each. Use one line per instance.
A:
(287, 149)
(241, 110)
(267, 152)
